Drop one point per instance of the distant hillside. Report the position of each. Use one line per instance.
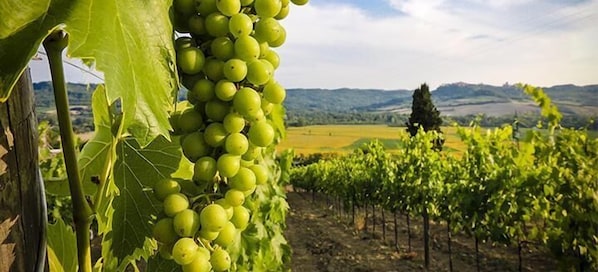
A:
(455, 99)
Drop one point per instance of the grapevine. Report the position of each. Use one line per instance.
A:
(541, 191)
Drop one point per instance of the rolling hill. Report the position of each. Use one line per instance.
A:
(455, 99)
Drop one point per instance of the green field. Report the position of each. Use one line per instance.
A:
(345, 138)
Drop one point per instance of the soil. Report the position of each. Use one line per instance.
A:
(324, 241)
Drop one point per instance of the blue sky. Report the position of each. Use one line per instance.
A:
(399, 44)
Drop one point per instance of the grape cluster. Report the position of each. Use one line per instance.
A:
(225, 59)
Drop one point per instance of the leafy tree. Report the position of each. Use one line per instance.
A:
(424, 114)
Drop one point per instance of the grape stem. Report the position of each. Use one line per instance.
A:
(82, 212)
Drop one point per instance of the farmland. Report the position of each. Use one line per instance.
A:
(345, 138)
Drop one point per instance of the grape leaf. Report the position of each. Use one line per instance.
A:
(95, 154)
(133, 206)
(131, 42)
(13, 21)
(62, 247)
(18, 48)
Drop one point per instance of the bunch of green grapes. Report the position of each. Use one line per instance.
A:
(225, 58)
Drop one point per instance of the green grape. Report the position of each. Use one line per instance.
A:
(258, 73)
(247, 101)
(166, 187)
(225, 91)
(284, 12)
(205, 169)
(281, 39)
(261, 173)
(207, 7)
(186, 223)
(264, 49)
(213, 69)
(190, 60)
(236, 144)
(184, 251)
(220, 260)
(267, 30)
(213, 218)
(235, 70)
(197, 25)
(163, 231)
(269, 67)
(165, 251)
(208, 235)
(252, 152)
(233, 122)
(185, 7)
(267, 8)
(285, 3)
(201, 263)
(227, 235)
(274, 92)
(299, 2)
(261, 134)
(244, 180)
(174, 122)
(228, 7)
(183, 42)
(222, 48)
(215, 134)
(194, 146)
(267, 106)
(240, 217)
(227, 207)
(272, 57)
(257, 116)
(190, 80)
(175, 203)
(191, 98)
(245, 3)
(234, 198)
(203, 90)
(240, 25)
(190, 120)
(228, 165)
(204, 252)
(217, 24)
(247, 48)
(217, 109)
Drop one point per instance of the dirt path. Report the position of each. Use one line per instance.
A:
(321, 241)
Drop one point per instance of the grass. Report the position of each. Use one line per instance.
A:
(345, 138)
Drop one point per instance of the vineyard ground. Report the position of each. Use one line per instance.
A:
(321, 241)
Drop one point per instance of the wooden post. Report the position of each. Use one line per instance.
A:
(23, 215)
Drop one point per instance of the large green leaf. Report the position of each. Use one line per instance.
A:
(18, 48)
(62, 247)
(96, 153)
(133, 207)
(131, 42)
(28, 11)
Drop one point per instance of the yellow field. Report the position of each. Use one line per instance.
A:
(345, 138)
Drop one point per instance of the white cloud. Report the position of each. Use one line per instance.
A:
(334, 45)
(441, 41)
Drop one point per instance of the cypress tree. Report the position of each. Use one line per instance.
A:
(424, 114)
